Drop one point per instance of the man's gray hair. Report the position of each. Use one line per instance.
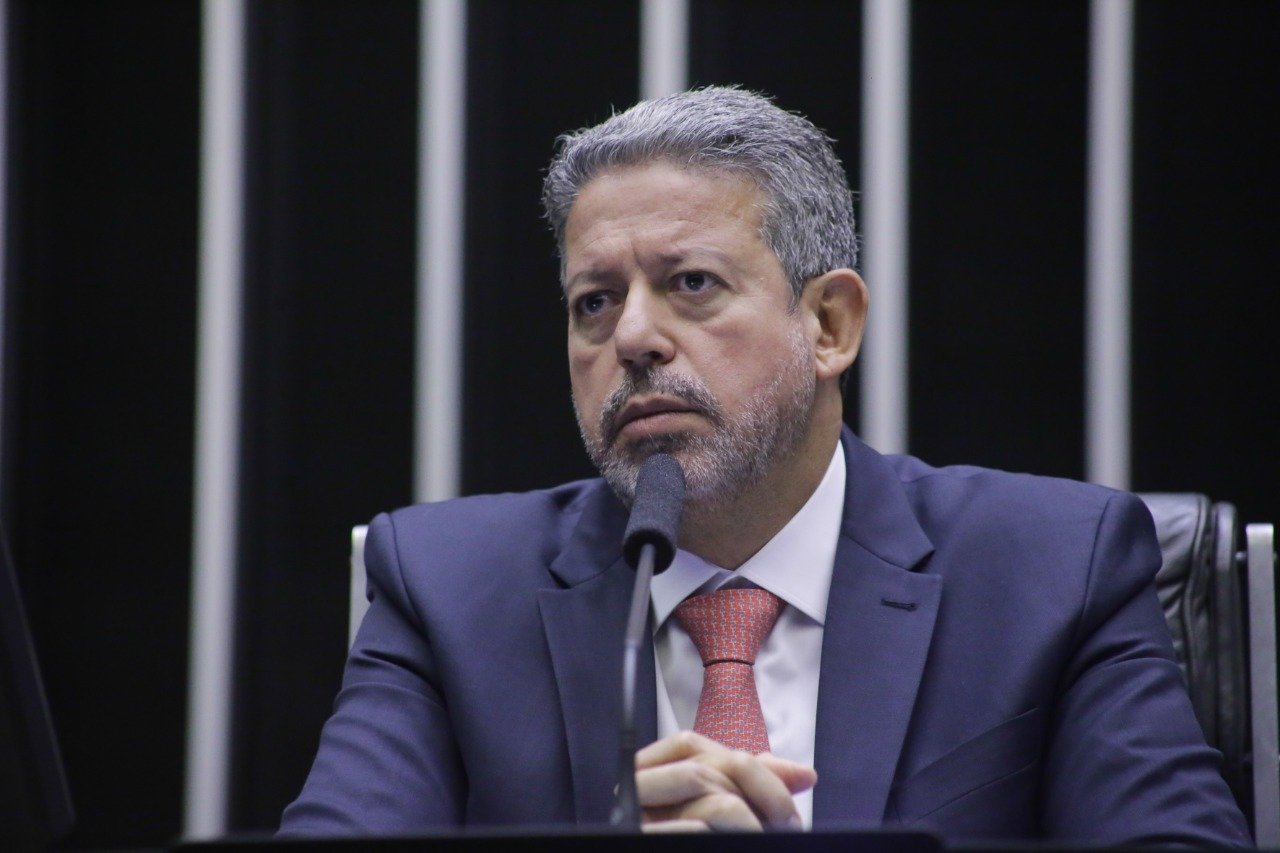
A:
(808, 210)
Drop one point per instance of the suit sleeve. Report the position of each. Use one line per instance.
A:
(1126, 760)
(387, 763)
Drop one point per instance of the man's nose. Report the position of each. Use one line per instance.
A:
(641, 336)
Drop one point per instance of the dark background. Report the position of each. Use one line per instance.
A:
(96, 481)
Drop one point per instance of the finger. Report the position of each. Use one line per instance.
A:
(672, 784)
(718, 811)
(762, 788)
(765, 782)
(722, 812)
(796, 776)
(675, 826)
(669, 791)
(677, 747)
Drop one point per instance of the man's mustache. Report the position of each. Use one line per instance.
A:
(690, 392)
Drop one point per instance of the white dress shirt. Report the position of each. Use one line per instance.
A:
(794, 565)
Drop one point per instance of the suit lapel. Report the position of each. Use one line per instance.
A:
(584, 624)
(880, 618)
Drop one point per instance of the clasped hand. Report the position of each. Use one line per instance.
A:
(689, 783)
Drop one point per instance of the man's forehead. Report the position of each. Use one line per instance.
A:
(688, 210)
(685, 198)
(666, 171)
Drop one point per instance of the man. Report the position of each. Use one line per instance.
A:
(967, 651)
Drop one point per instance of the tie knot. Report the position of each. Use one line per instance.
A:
(729, 624)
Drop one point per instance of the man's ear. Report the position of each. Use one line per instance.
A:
(838, 302)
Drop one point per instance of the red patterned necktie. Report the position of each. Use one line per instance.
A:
(728, 627)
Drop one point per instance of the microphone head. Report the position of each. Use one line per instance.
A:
(655, 511)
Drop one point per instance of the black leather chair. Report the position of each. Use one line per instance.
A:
(1219, 601)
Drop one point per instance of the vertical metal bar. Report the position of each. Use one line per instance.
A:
(1107, 315)
(664, 47)
(4, 210)
(1260, 556)
(442, 133)
(885, 159)
(358, 603)
(217, 435)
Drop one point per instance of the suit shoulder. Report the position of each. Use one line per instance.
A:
(490, 523)
(1039, 540)
(1048, 527)
(966, 492)
(556, 499)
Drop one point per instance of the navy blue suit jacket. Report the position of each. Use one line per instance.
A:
(994, 664)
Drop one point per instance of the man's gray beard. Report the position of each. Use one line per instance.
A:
(721, 466)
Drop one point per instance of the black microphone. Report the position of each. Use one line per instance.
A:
(655, 512)
(649, 545)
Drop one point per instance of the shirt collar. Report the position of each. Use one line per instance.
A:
(795, 565)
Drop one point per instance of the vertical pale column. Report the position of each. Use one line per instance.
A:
(664, 47)
(1260, 544)
(217, 438)
(4, 193)
(441, 139)
(885, 111)
(1107, 298)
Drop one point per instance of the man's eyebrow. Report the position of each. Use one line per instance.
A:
(587, 276)
(685, 255)
(692, 254)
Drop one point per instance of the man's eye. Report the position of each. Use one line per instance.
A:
(695, 282)
(592, 304)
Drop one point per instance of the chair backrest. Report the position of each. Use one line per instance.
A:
(1201, 589)
(1215, 599)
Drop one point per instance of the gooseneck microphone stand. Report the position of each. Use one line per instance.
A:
(649, 546)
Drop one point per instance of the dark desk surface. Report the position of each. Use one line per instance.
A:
(537, 840)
